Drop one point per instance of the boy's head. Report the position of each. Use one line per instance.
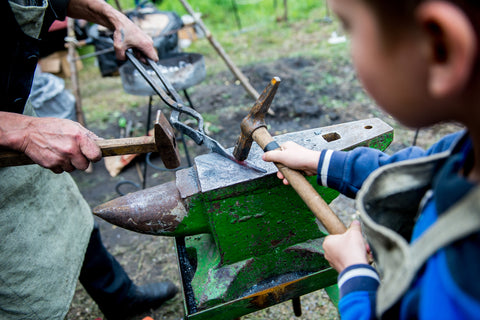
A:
(417, 59)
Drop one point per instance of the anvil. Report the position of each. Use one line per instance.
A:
(244, 240)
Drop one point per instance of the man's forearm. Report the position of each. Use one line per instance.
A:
(126, 34)
(13, 128)
(96, 11)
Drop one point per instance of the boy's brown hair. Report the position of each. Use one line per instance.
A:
(397, 15)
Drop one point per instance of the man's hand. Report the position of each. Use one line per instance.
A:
(295, 157)
(57, 144)
(349, 248)
(126, 34)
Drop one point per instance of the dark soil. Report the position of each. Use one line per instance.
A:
(312, 94)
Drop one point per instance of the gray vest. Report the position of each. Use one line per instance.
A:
(388, 203)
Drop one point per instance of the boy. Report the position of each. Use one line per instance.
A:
(420, 209)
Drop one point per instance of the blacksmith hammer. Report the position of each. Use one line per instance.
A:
(253, 128)
(163, 141)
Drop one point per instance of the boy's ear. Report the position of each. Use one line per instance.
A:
(452, 46)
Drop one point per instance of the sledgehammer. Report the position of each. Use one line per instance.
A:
(163, 141)
(253, 128)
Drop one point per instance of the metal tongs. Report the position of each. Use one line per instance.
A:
(172, 99)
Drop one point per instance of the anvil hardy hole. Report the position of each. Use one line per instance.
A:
(368, 127)
(329, 137)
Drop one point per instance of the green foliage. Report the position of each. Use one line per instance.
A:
(220, 15)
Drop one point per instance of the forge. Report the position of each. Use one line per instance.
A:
(244, 240)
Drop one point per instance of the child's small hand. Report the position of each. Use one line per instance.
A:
(349, 248)
(295, 157)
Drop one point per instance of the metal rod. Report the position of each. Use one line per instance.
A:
(182, 137)
(187, 154)
(94, 54)
(414, 142)
(187, 96)
(149, 115)
(297, 306)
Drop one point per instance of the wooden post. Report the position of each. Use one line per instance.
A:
(237, 72)
(73, 71)
(119, 7)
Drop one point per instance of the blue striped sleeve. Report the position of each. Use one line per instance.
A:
(358, 277)
(345, 171)
(358, 286)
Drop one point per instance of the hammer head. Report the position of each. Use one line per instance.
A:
(166, 142)
(254, 120)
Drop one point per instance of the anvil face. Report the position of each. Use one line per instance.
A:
(240, 228)
(215, 172)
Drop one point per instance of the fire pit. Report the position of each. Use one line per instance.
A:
(183, 70)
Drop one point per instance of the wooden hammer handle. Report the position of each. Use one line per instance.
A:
(116, 147)
(110, 147)
(304, 189)
(10, 158)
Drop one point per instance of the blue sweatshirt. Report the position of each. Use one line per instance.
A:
(447, 286)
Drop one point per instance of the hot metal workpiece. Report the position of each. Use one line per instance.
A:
(249, 241)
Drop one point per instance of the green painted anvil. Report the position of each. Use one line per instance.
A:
(241, 234)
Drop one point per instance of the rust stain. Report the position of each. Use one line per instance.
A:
(268, 297)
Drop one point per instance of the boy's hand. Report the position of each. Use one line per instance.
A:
(349, 248)
(295, 157)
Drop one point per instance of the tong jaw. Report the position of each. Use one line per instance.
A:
(172, 99)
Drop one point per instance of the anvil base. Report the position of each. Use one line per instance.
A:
(264, 246)
(264, 294)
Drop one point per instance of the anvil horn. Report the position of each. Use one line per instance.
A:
(159, 210)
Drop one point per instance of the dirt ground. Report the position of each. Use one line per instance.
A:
(312, 94)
